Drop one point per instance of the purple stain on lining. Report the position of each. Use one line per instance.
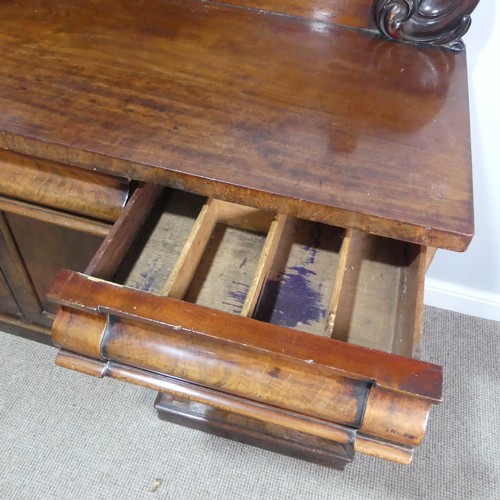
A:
(291, 300)
(146, 283)
(237, 297)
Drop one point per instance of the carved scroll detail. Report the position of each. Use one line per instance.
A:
(438, 22)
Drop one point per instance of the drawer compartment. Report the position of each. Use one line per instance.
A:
(250, 305)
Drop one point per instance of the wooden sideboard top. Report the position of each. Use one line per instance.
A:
(329, 123)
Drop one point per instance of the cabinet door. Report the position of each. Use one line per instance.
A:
(44, 248)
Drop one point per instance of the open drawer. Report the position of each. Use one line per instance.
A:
(284, 333)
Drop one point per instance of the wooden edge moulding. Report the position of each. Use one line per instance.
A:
(259, 381)
(414, 21)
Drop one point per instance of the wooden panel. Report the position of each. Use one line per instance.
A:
(22, 328)
(106, 261)
(46, 248)
(8, 303)
(355, 13)
(323, 122)
(264, 266)
(410, 313)
(58, 186)
(15, 272)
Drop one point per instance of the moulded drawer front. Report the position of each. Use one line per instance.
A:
(282, 314)
(65, 188)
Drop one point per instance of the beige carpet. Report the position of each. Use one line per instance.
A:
(65, 435)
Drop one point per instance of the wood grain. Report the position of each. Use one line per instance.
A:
(276, 112)
(264, 265)
(215, 399)
(61, 187)
(56, 247)
(277, 438)
(30, 331)
(49, 215)
(393, 372)
(338, 283)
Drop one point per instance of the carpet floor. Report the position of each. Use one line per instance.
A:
(65, 435)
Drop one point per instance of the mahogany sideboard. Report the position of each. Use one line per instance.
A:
(235, 203)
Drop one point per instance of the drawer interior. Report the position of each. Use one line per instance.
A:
(319, 279)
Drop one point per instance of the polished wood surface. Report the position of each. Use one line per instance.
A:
(61, 187)
(316, 146)
(181, 389)
(271, 111)
(35, 243)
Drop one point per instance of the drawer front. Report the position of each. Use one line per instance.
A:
(68, 189)
(282, 314)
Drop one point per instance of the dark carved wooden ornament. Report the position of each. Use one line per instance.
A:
(439, 22)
